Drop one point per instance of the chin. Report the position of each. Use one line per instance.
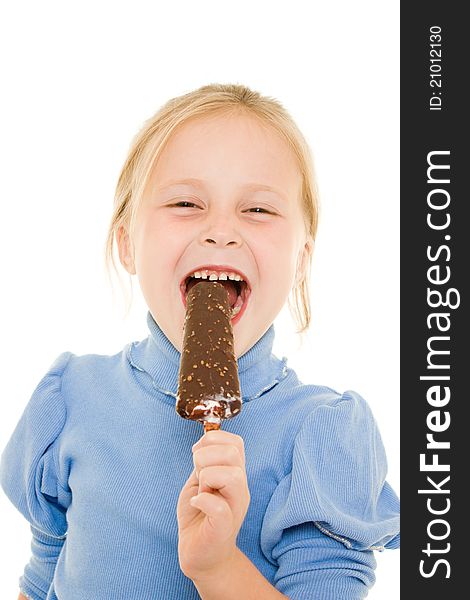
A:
(241, 345)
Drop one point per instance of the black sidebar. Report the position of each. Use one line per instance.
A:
(435, 259)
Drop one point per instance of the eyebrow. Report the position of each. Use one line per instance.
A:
(200, 183)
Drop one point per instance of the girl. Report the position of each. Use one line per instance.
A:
(124, 498)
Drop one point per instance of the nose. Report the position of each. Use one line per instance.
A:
(220, 230)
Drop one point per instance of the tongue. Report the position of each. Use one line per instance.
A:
(231, 290)
(228, 285)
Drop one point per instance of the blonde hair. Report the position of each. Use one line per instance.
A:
(207, 100)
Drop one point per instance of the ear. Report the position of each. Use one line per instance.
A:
(126, 251)
(303, 260)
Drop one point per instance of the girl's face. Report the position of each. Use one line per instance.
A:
(224, 197)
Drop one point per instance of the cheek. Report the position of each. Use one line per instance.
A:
(156, 246)
(279, 252)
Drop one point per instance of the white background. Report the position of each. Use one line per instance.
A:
(78, 81)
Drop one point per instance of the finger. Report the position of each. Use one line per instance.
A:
(189, 489)
(185, 512)
(220, 518)
(192, 480)
(221, 437)
(219, 454)
(229, 482)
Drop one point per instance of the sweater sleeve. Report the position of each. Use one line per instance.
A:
(333, 508)
(29, 477)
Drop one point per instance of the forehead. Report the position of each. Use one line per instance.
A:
(234, 148)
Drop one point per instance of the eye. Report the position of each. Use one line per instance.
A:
(185, 204)
(259, 210)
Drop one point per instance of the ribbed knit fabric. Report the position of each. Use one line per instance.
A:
(99, 457)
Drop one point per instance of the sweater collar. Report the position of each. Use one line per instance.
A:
(258, 369)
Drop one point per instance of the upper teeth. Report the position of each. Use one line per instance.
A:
(213, 276)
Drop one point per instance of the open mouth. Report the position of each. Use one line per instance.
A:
(234, 282)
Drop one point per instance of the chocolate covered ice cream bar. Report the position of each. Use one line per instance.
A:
(208, 384)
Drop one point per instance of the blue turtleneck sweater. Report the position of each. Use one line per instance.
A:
(99, 457)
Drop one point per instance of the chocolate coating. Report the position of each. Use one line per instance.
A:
(208, 384)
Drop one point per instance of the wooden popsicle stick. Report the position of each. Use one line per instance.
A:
(208, 426)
